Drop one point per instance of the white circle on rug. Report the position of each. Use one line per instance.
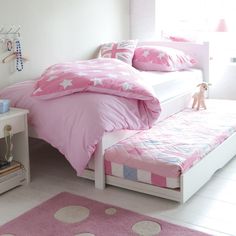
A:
(111, 211)
(72, 214)
(84, 234)
(146, 228)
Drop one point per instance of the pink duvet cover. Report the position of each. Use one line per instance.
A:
(75, 123)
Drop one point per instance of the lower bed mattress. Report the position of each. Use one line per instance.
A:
(160, 155)
(167, 85)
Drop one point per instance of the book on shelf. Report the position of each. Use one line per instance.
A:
(19, 174)
(11, 167)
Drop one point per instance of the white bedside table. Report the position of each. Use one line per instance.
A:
(17, 119)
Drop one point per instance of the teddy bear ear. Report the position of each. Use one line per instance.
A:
(199, 85)
(209, 84)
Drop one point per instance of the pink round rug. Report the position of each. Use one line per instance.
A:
(67, 214)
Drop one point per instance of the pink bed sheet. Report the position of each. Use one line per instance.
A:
(174, 145)
(75, 123)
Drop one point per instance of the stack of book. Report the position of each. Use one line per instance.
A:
(11, 170)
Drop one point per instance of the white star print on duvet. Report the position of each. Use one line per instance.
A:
(92, 106)
(113, 77)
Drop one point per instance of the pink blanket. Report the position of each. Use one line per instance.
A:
(174, 145)
(75, 123)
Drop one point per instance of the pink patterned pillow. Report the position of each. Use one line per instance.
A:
(161, 58)
(179, 39)
(123, 51)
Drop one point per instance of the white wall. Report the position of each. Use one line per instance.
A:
(143, 19)
(224, 82)
(57, 30)
(222, 70)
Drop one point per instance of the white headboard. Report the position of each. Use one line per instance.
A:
(199, 51)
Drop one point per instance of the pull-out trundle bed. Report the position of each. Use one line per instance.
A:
(176, 157)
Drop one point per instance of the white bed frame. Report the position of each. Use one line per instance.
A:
(190, 182)
(194, 178)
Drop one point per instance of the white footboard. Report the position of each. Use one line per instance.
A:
(197, 176)
(190, 182)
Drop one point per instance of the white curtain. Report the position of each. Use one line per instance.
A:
(189, 16)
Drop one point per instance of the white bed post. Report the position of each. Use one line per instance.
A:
(99, 176)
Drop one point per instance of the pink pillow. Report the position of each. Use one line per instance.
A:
(179, 39)
(161, 58)
(123, 51)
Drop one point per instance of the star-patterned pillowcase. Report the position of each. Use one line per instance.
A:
(161, 58)
(123, 51)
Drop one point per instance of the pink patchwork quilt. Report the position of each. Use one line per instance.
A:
(172, 146)
(73, 104)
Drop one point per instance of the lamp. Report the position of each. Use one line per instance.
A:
(221, 26)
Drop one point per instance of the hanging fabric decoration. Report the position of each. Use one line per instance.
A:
(9, 144)
(19, 59)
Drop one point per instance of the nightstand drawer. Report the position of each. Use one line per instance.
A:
(17, 125)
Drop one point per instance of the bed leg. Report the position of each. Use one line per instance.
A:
(99, 182)
(99, 176)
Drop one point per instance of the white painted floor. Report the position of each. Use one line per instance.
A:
(211, 210)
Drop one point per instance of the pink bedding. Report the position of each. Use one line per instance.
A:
(75, 123)
(174, 145)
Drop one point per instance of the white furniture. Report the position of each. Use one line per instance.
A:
(197, 176)
(200, 52)
(190, 182)
(17, 119)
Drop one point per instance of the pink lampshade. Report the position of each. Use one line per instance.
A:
(221, 26)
